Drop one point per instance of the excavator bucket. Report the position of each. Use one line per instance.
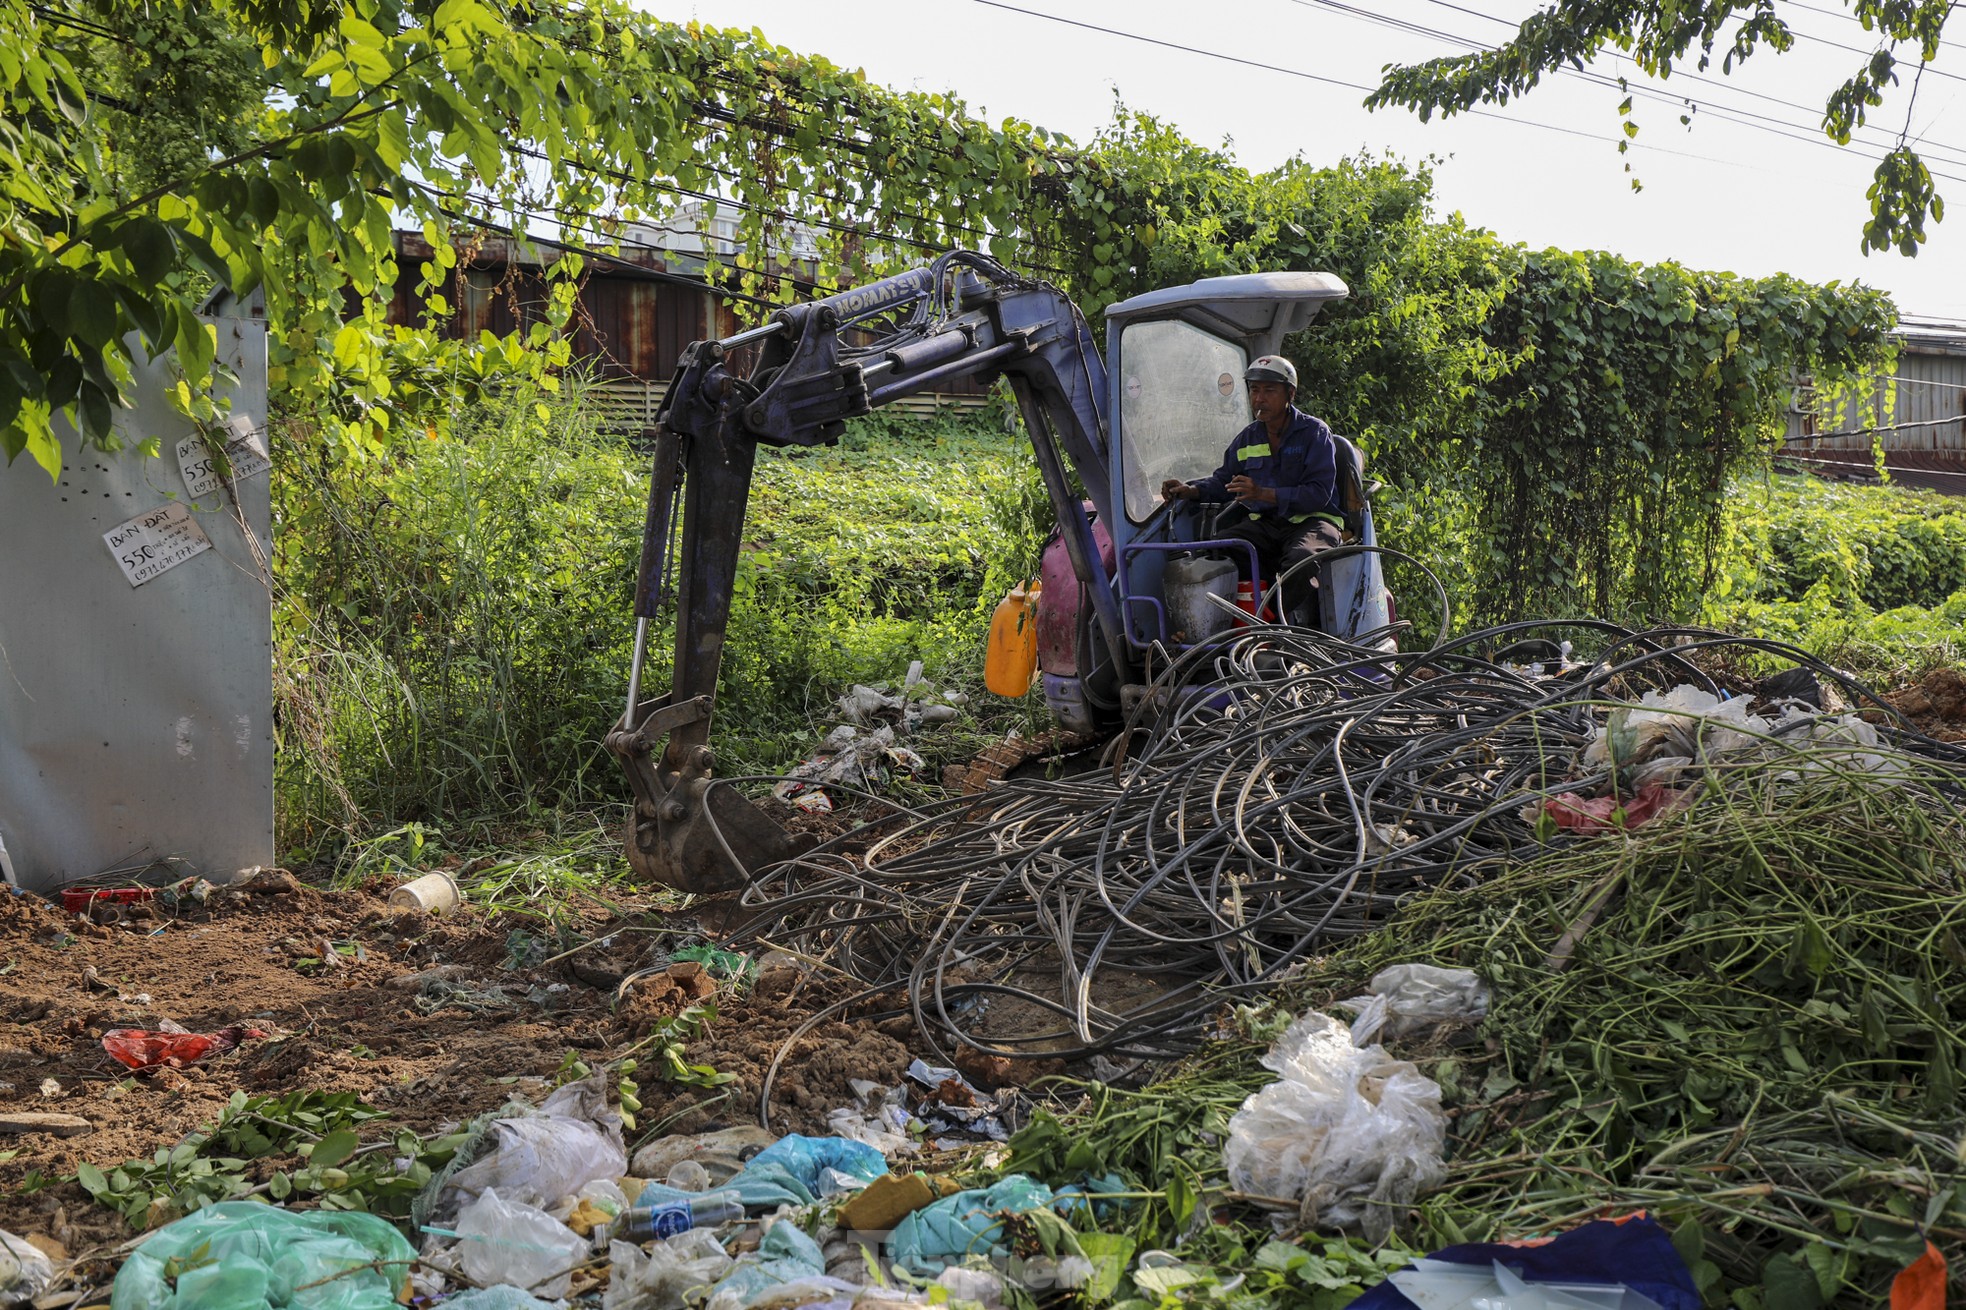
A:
(690, 831)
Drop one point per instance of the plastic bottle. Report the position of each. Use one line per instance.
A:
(1011, 659)
(647, 1223)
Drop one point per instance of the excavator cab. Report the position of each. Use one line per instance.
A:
(1175, 362)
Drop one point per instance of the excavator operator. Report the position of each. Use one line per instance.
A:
(1282, 473)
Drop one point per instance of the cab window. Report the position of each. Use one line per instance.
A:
(1181, 400)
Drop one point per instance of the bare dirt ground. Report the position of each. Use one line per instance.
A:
(433, 1020)
(1936, 704)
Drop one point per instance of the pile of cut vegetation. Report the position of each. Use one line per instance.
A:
(1746, 1017)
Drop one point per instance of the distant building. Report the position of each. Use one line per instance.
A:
(692, 231)
(634, 318)
(1917, 413)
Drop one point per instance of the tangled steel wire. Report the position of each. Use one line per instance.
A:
(1291, 791)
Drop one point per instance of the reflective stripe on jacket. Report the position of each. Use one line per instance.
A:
(1302, 467)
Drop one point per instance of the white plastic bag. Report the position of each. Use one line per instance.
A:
(1439, 1285)
(1348, 1134)
(662, 1278)
(504, 1242)
(24, 1271)
(1685, 721)
(1409, 998)
(498, 1298)
(573, 1140)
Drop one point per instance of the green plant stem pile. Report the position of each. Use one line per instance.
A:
(1759, 1037)
(1748, 1019)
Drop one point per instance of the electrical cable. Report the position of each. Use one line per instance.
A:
(1290, 791)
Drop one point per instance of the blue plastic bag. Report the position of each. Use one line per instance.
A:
(943, 1232)
(788, 1172)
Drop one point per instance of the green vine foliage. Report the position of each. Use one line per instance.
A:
(1558, 427)
(1601, 459)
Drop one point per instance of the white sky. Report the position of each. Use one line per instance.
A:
(1720, 195)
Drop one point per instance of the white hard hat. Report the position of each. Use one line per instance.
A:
(1272, 368)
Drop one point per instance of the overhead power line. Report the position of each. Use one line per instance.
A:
(1317, 77)
(1807, 133)
(1844, 14)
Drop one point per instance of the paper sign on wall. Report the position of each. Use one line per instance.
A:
(155, 542)
(244, 450)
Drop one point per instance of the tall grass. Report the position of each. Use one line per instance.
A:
(453, 621)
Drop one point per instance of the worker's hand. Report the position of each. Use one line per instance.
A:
(1176, 489)
(1242, 487)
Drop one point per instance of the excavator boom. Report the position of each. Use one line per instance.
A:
(821, 363)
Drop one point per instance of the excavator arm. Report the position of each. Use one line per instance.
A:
(819, 364)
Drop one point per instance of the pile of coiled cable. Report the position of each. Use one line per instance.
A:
(1276, 793)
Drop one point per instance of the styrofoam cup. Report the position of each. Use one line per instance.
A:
(433, 893)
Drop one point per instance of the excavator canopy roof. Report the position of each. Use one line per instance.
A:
(1258, 309)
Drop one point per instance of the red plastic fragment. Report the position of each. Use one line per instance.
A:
(1593, 814)
(141, 1049)
(1921, 1285)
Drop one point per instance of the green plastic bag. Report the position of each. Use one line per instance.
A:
(241, 1255)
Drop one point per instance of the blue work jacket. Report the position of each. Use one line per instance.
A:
(1303, 468)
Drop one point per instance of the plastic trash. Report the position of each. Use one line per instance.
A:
(863, 705)
(649, 1218)
(968, 1223)
(955, 1111)
(981, 1286)
(688, 1176)
(539, 1158)
(665, 1276)
(1432, 1285)
(849, 759)
(890, 1198)
(1409, 998)
(1608, 813)
(785, 1256)
(595, 1205)
(25, 1271)
(1347, 1134)
(793, 1170)
(886, 1131)
(1608, 1264)
(1921, 1285)
(502, 1241)
(722, 1153)
(433, 893)
(1684, 721)
(241, 1255)
(171, 1047)
(496, 1298)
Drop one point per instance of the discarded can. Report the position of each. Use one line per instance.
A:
(433, 893)
(649, 1223)
(103, 904)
